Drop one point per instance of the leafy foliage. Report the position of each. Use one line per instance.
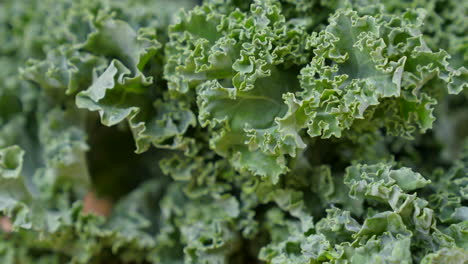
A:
(227, 131)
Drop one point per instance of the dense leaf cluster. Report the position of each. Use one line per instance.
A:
(229, 131)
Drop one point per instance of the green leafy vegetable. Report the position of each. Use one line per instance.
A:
(228, 131)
